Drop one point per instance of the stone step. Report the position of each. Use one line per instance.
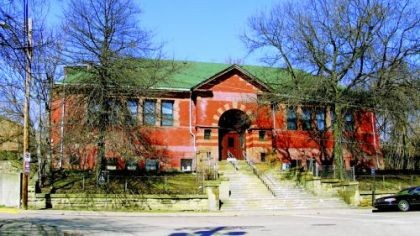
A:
(249, 193)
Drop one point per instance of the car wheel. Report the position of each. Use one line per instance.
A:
(403, 205)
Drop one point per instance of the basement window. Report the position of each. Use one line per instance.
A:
(186, 165)
(151, 165)
(263, 156)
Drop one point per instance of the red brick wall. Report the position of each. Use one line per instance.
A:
(230, 92)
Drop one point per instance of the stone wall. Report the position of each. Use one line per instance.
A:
(215, 190)
(348, 191)
(120, 202)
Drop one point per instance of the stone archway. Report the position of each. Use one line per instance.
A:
(232, 126)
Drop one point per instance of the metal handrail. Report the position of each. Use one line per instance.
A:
(232, 160)
(260, 176)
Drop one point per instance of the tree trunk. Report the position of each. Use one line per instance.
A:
(48, 151)
(338, 146)
(100, 160)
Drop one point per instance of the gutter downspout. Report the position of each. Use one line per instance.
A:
(273, 111)
(374, 140)
(192, 133)
(63, 107)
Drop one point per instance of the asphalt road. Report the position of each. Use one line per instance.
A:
(351, 222)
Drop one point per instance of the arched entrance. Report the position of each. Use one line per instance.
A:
(232, 126)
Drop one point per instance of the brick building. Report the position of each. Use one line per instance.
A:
(209, 111)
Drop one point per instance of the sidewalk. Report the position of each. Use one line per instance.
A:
(157, 214)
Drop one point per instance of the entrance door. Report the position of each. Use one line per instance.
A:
(232, 142)
(232, 128)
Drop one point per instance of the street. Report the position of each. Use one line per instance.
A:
(297, 222)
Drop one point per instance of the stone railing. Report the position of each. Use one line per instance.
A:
(348, 191)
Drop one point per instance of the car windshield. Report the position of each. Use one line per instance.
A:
(404, 191)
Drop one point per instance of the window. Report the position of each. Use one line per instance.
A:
(348, 122)
(152, 165)
(167, 113)
(93, 111)
(261, 135)
(306, 118)
(149, 112)
(291, 119)
(132, 109)
(231, 142)
(110, 111)
(207, 134)
(113, 109)
(320, 120)
(186, 165)
(263, 156)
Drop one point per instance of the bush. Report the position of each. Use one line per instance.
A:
(9, 156)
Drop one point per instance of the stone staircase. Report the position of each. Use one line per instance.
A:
(249, 193)
(297, 196)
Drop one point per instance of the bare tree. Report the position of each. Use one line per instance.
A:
(399, 120)
(121, 60)
(12, 59)
(44, 65)
(351, 46)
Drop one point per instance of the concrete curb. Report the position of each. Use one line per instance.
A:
(186, 214)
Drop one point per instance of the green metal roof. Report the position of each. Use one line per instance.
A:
(189, 74)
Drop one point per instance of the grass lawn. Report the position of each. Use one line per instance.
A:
(171, 183)
(388, 183)
(265, 166)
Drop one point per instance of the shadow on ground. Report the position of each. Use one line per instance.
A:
(82, 226)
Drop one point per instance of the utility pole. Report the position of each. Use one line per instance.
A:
(26, 153)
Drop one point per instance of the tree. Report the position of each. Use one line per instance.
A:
(44, 64)
(400, 127)
(352, 46)
(45, 68)
(12, 59)
(105, 36)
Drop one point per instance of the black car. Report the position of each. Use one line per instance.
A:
(404, 200)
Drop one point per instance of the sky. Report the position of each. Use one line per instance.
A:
(197, 30)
